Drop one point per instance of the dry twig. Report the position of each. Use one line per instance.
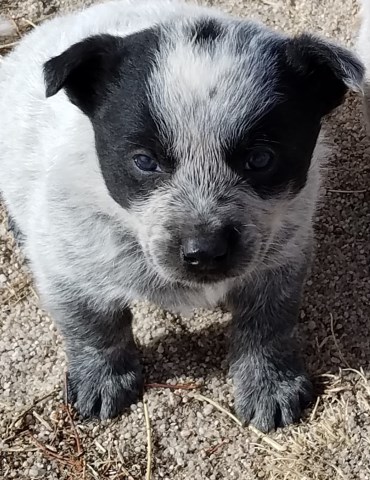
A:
(30, 23)
(42, 421)
(202, 398)
(264, 438)
(8, 45)
(216, 447)
(364, 190)
(53, 455)
(21, 416)
(148, 475)
(336, 341)
(313, 414)
(70, 418)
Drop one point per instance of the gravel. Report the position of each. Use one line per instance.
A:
(190, 438)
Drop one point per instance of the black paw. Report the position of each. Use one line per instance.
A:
(268, 398)
(102, 391)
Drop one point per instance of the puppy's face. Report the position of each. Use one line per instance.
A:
(205, 130)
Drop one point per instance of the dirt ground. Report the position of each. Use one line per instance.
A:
(189, 437)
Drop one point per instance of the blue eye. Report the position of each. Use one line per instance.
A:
(146, 163)
(260, 159)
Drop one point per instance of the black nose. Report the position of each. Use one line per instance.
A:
(207, 250)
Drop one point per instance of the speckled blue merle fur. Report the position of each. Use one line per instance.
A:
(162, 151)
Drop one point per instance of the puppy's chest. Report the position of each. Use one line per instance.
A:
(184, 300)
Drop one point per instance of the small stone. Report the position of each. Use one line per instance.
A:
(7, 27)
(35, 472)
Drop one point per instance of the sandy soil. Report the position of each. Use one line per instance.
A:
(190, 438)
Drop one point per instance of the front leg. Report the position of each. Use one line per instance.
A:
(271, 386)
(104, 372)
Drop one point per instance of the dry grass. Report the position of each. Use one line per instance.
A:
(297, 455)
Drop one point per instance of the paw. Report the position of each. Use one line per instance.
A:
(102, 391)
(271, 398)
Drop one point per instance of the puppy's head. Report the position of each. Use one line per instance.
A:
(205, 130)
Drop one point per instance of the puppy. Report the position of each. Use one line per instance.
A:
(166, 152)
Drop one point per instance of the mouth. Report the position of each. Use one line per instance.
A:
(209, 277)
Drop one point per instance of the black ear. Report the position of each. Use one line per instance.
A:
(328, 70)
(84, 69)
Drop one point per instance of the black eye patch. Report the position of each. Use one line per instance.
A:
(289, 131)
